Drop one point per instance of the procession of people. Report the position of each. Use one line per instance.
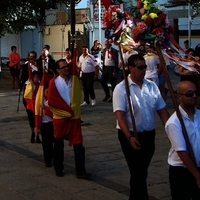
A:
(52, 99)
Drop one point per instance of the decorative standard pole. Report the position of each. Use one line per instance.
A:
(73, 24)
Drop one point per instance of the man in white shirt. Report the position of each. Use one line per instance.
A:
(145, 101)
(110, 69)
(184, 175)
(152, 62)
(89, 68)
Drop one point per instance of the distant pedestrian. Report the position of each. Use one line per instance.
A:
(47, 63)
(110, 69)
(145, 101)
(68, 55)
(184, 175)
(89, 69)
(96, 49)
(186, 45)
(14, 66)
(152, 62)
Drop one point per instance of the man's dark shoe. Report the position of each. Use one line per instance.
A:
(59, 173)
(85, 175)
(38, 140)
(106, 98)
(110, 100)
(33, 138)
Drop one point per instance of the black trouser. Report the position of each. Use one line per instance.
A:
(47, 141)
(183, 185)
(138, 162)
(31, 118)
(88, 89)
(79, 154)
(107, 74)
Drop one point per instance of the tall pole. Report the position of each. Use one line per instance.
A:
(73, 24)
(100, 20)
(189, 24)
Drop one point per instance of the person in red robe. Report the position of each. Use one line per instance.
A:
(64, 96)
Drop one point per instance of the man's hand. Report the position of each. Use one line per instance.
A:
(198, 180)
(135, 143)
(114, 74)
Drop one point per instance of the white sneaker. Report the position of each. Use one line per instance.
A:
(93, 102)
(84, 104)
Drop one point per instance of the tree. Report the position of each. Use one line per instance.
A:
(15, 15)
(196, 7)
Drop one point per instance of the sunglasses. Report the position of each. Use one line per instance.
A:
(190, 93)
(66, 66)
(141, 67)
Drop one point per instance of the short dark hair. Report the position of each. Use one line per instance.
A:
(46, 46)
(132, 60)
(59, 61)
(33, 52)
(68, 49)
(13, 47)
(36, 73)
(186, 42)
(84, 46)
(190, 50)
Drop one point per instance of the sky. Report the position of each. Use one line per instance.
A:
(82, 4)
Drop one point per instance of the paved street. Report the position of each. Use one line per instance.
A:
(24, 176)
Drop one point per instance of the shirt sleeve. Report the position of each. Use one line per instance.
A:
(119, 99)
(175, 135)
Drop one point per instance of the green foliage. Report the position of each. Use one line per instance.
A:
(16, 14)
(196, 7)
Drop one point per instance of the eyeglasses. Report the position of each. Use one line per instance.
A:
(66, 66)
(141, 67)
(190, 93)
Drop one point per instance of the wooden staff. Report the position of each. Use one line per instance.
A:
(18, 101)
(128, 94)
(185, 135)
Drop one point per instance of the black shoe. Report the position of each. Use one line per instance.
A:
(59, 173)
(38, 140)
(33, 138)
(85, 175)
(106, 98)
(110, 100)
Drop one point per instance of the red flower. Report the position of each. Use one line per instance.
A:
(158, 30)
(148, 21)
(136, 39)
(171, 29)
(162, 17)
(139, 4)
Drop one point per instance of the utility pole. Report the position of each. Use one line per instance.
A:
(73, 24)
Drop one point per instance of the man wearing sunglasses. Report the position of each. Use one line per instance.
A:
(184, 175)
(145, 101)
(66, 118)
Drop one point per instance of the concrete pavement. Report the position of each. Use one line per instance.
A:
(24, 176)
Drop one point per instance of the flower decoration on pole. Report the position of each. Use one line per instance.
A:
(114, 22)
(151, 22)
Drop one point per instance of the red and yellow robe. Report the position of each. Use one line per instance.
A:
(66, 118)
(39, 101)
(30, 92)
